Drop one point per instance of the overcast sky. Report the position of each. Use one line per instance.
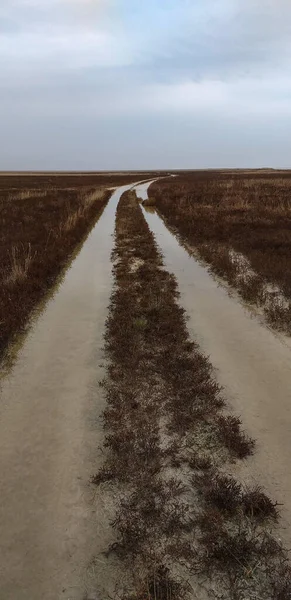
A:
(120, 84)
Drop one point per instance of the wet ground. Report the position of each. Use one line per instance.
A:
(252, 363)
(50, 433)
(51, 523)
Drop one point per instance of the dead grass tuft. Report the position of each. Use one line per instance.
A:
(257, 504)
(235, 439)
(21, 260)
(224, 492)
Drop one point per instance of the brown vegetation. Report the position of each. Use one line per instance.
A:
(180, 522)
(240, 223)
(43, 219)
(43, 181)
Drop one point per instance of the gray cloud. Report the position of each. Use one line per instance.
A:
(124, 64)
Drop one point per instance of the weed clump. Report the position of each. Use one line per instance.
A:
(224, 492)
(256, 504)
(235, 439)
(228, 496)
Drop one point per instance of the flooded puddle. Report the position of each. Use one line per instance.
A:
(50, 433)
(252, 363)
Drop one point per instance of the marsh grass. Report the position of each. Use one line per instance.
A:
(21, 259)
(178, 517)
(40, 230)
(44, 218)
(242, 212)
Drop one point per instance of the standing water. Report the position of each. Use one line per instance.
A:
(252, 363)
(50, 526)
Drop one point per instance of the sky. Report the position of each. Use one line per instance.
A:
(144, 84)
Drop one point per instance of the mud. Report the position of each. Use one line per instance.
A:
(52, 524)
(252, 363)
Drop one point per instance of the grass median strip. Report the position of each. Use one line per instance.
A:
(184, 528)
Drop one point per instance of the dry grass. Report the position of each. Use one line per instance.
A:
(234, 438)
(179, 519)
(149, 202)
(21, 261)
(242, 211)
(26, 194)
(227, 495)
(15, 183)
(43, 218)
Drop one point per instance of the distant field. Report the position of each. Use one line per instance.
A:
(240, 223)
(70, 180)
(79, 173)
(44, 217)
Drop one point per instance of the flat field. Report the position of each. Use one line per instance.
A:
(43, 218)
(239, 222)
(145, 417)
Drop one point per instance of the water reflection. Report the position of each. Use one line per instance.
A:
(251, 362)
(51, 432)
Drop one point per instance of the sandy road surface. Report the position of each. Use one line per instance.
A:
(251, 362)
(50, 527)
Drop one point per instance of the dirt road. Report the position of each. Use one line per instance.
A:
(252, 363)
(50, 523)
